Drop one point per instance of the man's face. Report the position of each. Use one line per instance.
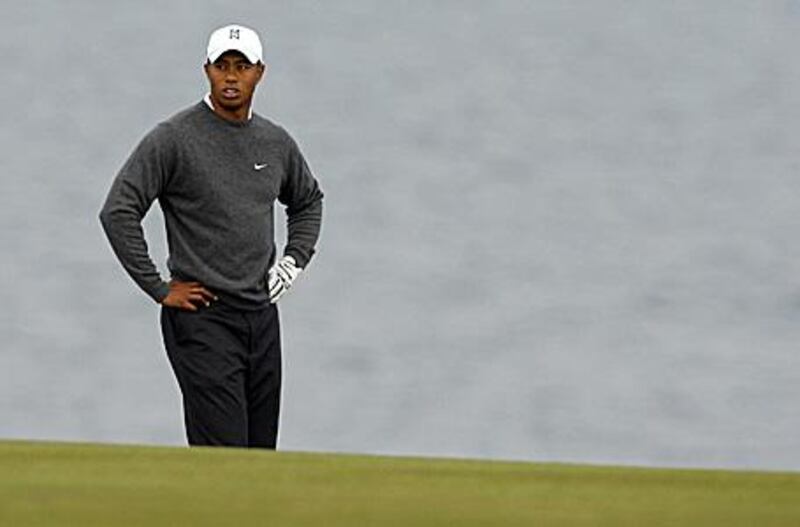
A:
(233, 80)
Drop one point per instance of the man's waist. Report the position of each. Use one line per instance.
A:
(247, 298)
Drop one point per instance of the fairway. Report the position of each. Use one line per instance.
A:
(108, 485)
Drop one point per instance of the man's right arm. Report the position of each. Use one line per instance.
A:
(139, 182)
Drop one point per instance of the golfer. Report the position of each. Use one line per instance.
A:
(216, 169)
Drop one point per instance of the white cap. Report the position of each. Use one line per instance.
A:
(234, 38)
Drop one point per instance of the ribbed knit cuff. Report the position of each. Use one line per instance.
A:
(160, 292)
(298, 257)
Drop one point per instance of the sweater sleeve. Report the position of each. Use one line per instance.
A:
(139, 182)
(302, 196)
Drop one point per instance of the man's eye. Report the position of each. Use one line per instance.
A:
(245, 67)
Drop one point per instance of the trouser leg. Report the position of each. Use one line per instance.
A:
(263, 385)
(208, 353)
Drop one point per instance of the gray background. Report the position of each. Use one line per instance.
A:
(555, 230)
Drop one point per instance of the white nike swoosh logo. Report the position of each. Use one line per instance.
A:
(259, 167)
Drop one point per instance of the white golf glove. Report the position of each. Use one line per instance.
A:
(281, 276)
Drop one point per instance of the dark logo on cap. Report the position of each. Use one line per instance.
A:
(234, 34)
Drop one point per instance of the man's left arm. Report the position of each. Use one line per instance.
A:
(302, 196)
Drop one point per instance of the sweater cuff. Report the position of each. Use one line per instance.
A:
(299, 259)
(160, 292)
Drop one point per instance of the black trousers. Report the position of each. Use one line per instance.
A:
(228, 365)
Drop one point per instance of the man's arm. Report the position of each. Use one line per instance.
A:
(302, 196)
(139, 182)
(303, 199)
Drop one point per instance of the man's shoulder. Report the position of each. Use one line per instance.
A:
(183, 117)
(165, 128)
(169, 132)
(270, 127)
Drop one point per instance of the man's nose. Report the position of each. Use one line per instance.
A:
(231, 75)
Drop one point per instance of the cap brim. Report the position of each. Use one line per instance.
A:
(214, 55)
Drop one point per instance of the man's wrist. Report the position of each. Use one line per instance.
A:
(161, 292)
(297, 260)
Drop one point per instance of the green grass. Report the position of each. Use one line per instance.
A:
(103, 485)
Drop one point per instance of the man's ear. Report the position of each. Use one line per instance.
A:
(262, 70)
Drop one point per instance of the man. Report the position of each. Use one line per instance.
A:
(216, 169)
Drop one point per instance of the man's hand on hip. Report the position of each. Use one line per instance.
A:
(187, 295)
(281, 276)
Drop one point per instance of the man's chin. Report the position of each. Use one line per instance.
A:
(230, 104)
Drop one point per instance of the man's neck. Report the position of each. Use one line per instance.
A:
(245, 113)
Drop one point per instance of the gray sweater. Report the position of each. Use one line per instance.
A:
(216, 182)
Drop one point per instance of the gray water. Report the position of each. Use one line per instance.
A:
(556, 230)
